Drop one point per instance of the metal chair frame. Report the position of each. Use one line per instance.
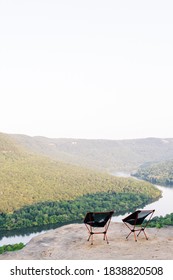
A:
(91, 224)
(134, 220)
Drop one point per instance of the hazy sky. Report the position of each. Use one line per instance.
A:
(86, 69)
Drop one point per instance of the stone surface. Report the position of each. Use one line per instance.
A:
(70, 243)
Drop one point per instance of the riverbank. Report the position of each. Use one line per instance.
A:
(162, 207)
(70, 243)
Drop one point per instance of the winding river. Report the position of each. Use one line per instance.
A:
(162, 207)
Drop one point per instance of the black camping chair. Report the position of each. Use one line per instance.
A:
(136, 219)
(98, 220)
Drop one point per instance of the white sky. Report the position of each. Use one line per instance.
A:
(86, 69)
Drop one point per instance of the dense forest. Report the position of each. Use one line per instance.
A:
(71, 211)
(11, 247)
(157, 173)
(159, 222)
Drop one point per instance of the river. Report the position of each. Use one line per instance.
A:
(162, 207)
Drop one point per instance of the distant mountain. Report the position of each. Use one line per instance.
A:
(109, 155)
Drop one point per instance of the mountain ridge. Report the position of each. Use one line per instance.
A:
(108, 155)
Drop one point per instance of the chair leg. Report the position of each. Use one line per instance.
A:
(92, 239)
(90, 236)
(145, 235)
(105, 238)
(142, 229)
(135, 236)
(128, 235)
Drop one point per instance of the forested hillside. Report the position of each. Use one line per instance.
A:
(108, 155)
(27, 178)
(157, 173)
(46, 213)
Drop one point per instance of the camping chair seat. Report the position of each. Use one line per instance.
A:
(136, 219)
(98, 220)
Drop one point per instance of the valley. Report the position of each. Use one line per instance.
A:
(51, 181)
